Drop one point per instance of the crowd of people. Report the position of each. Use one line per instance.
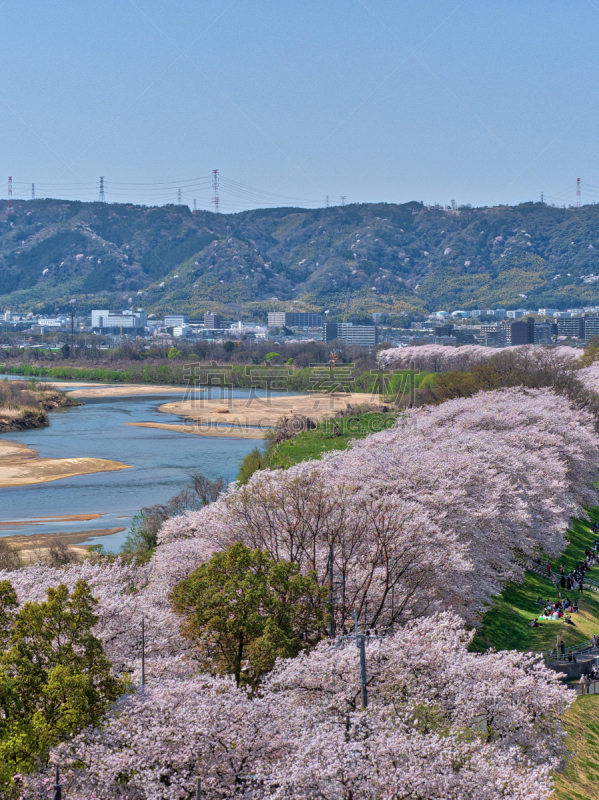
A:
(558, 610)
(575, 578)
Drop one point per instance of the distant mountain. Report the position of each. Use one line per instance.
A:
(351, 260)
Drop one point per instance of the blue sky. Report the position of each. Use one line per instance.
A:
(481, 101)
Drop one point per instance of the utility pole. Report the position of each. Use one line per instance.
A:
(72, 330)
(198, 789)
(215, 197)
(9, 206)
(331, 592)
(101, 196)
(57, 787)
(360, 641)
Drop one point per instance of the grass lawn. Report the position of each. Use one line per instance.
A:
(331, 434)
(505, 625)
(580, 779)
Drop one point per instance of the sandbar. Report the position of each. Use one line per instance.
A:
(42, 520)
(199, 429)
(36, 545)
(263, 412)
(20, 465)
(124, 390)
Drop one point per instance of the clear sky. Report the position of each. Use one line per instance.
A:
(478, 101)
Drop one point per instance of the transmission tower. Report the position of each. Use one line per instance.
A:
(178, 197)
(9, 206)
(33, 191)
(577, 192)
(195, 205)
(215, 197)
(342, 199)
(326, 201)
(102, 196)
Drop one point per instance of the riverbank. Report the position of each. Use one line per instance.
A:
(20, 465)
(25, 405)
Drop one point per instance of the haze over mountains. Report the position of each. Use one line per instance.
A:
(354, 260)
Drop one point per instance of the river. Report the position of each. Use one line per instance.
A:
(160, 464)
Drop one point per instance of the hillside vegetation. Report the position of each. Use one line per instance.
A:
(350, 260)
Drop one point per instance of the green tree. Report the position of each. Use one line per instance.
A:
(228, 347)
(250, 463)
(174, 353)
(54, 677)
(245, 610)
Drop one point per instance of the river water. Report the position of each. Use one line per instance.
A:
(160, 460)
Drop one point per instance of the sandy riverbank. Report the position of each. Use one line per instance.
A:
(21, 465)
(262, 412)
(199, 429)
(35, 546)
(119, 390)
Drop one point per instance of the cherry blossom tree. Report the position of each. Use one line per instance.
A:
(442, 724)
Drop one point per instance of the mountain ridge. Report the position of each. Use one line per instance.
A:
(350, 260)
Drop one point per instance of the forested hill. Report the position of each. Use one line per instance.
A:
(357, 258)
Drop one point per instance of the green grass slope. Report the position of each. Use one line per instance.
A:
(505, 625)
(580, 779)
(332, 434)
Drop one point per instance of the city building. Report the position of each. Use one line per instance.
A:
(571, 326)
(493, 336)
(542, 333)
(591, 328)
(51, 322)
(520, 332)
(442, 330)
(212, 321)
(174, 320)
(294, 319)
(182, 331)
(363, 335)
(114, 322)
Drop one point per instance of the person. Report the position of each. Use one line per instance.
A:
(560, 613)
(540, 601)
(581, 586)
(549, 568)
(575, 607)
(562, 646)
(534, 623)
(562, 581)
(585, 683)
(568, 620)
(561, 569)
